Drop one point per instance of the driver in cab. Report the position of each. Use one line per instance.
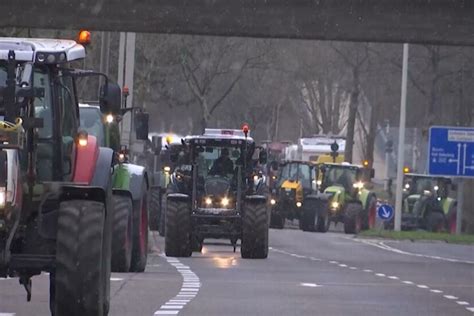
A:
(223, 165)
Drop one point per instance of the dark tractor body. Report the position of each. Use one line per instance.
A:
(216, 191)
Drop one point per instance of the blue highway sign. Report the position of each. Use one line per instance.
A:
(385, 212)
(451, 151)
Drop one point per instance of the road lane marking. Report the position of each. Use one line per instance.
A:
(111, 279)
(7, 314)
(334, 262)
(471, 309)
(380, 274)
(368, 270)
(189, 289)
(462, 303)
(451, 297)
(392, 277)
(422, 286)
(384, 246)
(408, 282)
(310, 284)
(353, 268)
(436, 291)
(343, 265)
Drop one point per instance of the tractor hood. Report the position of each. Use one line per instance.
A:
(335, 192)
(290, 184)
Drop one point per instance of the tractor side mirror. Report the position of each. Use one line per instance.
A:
(110, 98)
(262, 157)
(141, 125)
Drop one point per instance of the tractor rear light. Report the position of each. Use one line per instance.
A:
(84, 37)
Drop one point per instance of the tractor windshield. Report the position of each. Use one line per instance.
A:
(340, 176)
(92, 122)
(422, 185)
(296, 172)
(217, 161)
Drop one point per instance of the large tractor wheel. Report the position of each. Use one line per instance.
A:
(140, 232)
(308, 217)
(323, 223)
(353, 218)
(277, 220)
(79, 282)
(122, 234)
(435, 222)
(155, 209)
(162, 227)
(255, 224)
(178, 229)
(370, 213)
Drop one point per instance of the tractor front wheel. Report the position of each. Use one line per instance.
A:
(140, 232)
(122, 234)
(255, 224)
(81, 260)
(178, 229)
(352, 218)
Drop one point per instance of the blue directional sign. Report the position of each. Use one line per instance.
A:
(451, 151)
(385, 212)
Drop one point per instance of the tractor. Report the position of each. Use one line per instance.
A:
(350, 202)
(297, 197)
(129, 192)
(56, 206)
(427, 204)
(216, 191)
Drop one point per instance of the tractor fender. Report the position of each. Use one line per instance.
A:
(122, 192)
(178, 197)
(138, 174)
(103, 168)
(78, 192)
(87, 158)
(363, 197)
(447, 205)
(256, 199)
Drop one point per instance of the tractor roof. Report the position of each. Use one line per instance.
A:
(302, 162)
(343, 165)
(225, 135)
(39, 50)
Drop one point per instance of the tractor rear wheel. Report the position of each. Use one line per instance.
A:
(81, 260)
(277, 220)
(255, 224)
(122, 233)
(352, 218)
(140, 232)
(155, 208)
(308, 217)
(178, 229)
(162, 227)
(322, 224)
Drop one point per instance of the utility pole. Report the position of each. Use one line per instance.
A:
(401, 142)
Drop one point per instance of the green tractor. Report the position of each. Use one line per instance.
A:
(427, 204)
(350, 202)
(296, 196)
(130, 193)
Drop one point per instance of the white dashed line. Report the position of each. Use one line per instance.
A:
(408, 282)
(392, 277)
(334, 262)
(343, 265)
(7, 314)
(310, 284)
(353, 268)
(471, 309)
(368, 270)
(188, 291)
(451, 297)
(380, 274)
(462, 303)
(436, 291)
(111, 279)
(422, 286)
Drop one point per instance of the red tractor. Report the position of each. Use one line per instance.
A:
(55, 193)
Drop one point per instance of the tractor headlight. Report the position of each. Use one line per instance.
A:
(299, 204)
(335, 205)
(225, 202)
(166, 169)
(319, 182)
(121, 157)
(3, 197)
(109, 118)
(208, 201)
(436, 188)
(358, 185)
(273, 202)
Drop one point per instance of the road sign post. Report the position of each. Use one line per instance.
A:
(401, 142)
(451, 153)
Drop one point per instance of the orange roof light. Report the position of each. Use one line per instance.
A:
(406, 169)
(365, 163)
(245, 129)
(84, 37)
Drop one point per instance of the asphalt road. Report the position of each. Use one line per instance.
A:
(305, 274)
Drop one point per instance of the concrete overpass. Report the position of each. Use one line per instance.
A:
(447, 22)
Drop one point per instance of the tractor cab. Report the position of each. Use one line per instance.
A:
(427, 203)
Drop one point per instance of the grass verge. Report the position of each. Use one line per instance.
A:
(418, 235)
